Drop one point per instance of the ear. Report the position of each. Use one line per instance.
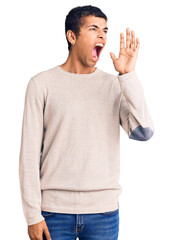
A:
(71, 36)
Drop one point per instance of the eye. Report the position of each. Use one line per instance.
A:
(94, 29)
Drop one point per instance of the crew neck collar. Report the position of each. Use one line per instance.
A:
(78, 74)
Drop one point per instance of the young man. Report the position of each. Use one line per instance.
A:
(69, 158)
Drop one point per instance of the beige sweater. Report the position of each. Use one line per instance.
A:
(70, 142)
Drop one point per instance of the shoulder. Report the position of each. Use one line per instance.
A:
(44, 75)
(108, 76)
(39, 82)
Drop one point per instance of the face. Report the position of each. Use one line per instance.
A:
(94, 31)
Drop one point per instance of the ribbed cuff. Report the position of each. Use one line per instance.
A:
(130, 84)
(128, 75)
(35, 220)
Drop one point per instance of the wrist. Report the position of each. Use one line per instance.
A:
(121, 73)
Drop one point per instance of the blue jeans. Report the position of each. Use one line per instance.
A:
(92, 226)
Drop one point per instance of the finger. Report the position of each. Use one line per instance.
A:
(132, 45)
(137, 44)
(46, 232)
(122, 44)
(113, 56)
(127, 37)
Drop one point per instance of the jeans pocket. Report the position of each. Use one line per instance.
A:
(110, 212)
(46, 213)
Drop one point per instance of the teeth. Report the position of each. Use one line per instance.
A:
(99, 44)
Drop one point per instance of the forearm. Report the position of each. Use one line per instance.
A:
(135, 117)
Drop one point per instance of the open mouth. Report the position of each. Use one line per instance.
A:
(96, 52)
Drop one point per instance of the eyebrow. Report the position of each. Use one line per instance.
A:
(97, 26)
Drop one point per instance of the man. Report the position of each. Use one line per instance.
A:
(69, 157)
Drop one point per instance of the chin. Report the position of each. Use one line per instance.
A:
(93, 63)
(90, 64)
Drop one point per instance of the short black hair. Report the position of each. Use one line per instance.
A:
(74, 19)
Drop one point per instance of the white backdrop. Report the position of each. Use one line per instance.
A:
(33, 40)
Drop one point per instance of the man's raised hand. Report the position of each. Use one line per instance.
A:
(128, 55)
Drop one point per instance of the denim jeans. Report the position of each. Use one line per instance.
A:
(92, 226)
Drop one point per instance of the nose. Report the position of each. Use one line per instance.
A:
(101, 35)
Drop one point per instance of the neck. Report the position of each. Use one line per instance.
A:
(74, 65)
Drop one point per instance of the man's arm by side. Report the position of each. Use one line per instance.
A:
(29, 160)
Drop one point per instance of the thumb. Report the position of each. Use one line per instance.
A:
(113, 56)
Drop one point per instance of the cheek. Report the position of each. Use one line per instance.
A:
(85, 49)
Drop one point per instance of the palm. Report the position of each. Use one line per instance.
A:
(128, 55)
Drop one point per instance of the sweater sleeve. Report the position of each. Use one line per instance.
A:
(29, 159)
(134, 115)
